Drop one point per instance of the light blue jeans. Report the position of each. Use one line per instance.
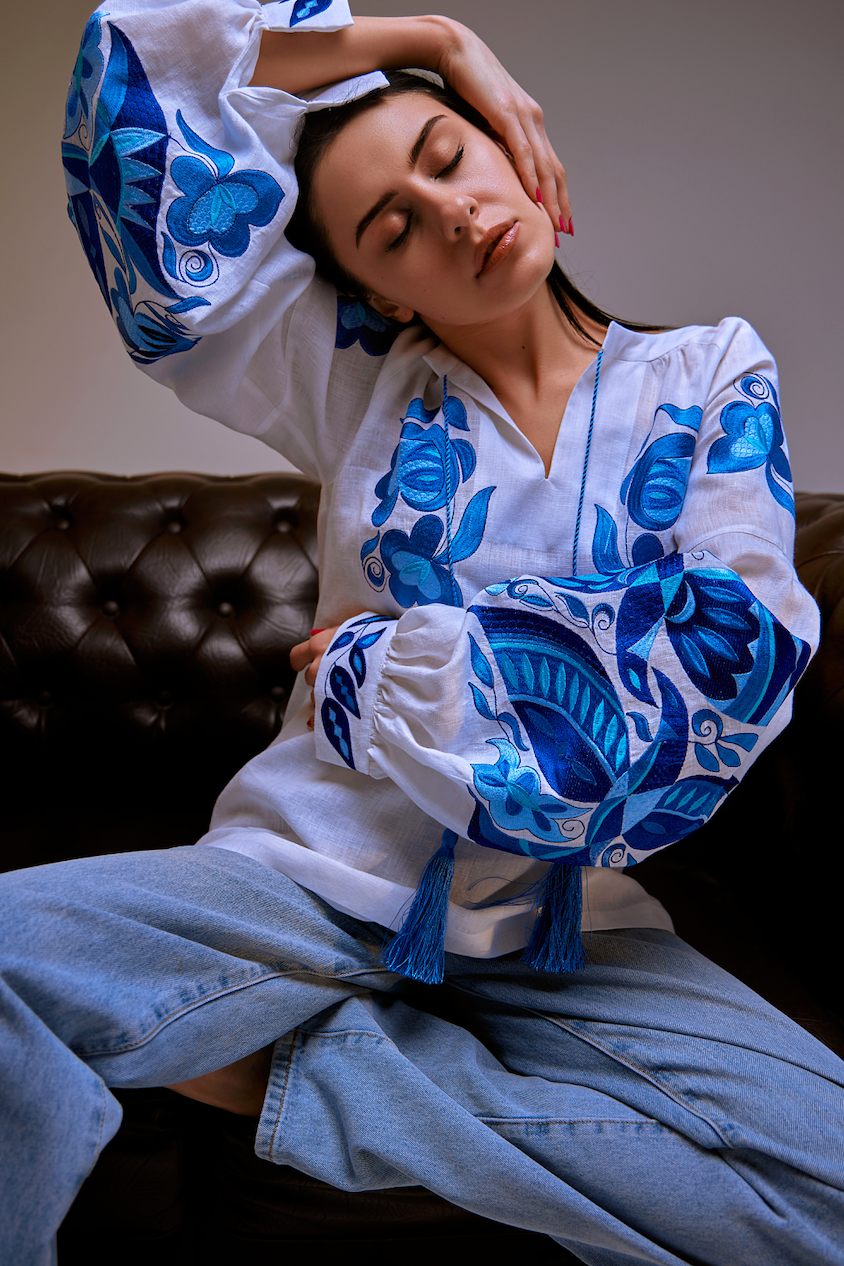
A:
(648, 1109)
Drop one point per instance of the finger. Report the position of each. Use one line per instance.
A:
(301, 655)
(521, 151)
(550, 174)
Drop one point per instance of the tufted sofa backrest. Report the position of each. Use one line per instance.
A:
(145, 628)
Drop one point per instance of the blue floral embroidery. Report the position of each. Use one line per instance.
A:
(358, 323)
(655, 488)
(219, 205)
(86, 76)
(115, 159)
(516, 802)
(341, 700)
(753, 438)
(570, 721)
(418, 574)
(426, 471)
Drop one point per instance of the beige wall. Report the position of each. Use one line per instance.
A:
(703, 144)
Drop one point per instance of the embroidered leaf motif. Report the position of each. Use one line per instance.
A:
(357, 663)
(480, 663)
(343, 688)
(683, 417)
(304, 9)
(470, 533)
(576, 607)
(343, 640)
(455, 413)
(368, 546)
(481, 704)
(335, 725)
(510, 720)
(605, 553)
(369, 639)
(705, 758)
(642, 727)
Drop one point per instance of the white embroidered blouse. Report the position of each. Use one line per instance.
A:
(580, 666)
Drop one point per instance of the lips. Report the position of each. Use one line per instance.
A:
(494, 246)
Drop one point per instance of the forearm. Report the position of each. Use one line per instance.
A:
(299, 61)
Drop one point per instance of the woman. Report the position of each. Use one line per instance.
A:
(558, 619)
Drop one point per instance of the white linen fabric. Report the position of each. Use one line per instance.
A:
(574, 667)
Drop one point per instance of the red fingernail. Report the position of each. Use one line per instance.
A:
(562, 226)
(571, 228)
(313, 631)
(556, 240)
(539, 195)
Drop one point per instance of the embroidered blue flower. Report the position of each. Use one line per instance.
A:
(655, 487)
(220, 209)
(220, 205)
(417, 573)
(753, 438)
(425, 470)
(515, 800)
(358, 323)
(86, 75)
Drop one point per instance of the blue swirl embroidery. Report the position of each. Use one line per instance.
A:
(426, 471)
(115, 159)
(341, 700)
(753, 437)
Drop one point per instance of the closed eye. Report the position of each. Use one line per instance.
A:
(399, 241)
(454, 162)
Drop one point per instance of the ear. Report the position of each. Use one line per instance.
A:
(393, 311)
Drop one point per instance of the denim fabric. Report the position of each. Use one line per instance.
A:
(647, 1109)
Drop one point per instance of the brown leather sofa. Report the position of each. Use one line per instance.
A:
(145, 625)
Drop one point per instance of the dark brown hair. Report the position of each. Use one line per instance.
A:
(307, 232)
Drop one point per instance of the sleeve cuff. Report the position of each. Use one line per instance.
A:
(307, 15)
(347, 690)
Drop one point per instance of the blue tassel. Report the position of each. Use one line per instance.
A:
(418, 950)
(556, 943)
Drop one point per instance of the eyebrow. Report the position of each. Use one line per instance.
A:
(413, 158)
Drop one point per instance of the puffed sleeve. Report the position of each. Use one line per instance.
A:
(180, 184)
(594, 719)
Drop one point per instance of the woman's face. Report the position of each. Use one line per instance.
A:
(429, 213)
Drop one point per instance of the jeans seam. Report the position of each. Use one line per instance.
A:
(539, 1120)
(283, 1092)
(175, 1015)
(642, 1072)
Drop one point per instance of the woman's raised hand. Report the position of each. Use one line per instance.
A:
(298, 62)
(478, 76)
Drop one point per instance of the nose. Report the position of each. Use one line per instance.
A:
(454, 211)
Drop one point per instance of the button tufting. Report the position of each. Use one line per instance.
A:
(164, 698)
(45, 698)
(225, 609)
(174, 526)
(110, 607)
(278, 693)
(283, 525)
(62, 524)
